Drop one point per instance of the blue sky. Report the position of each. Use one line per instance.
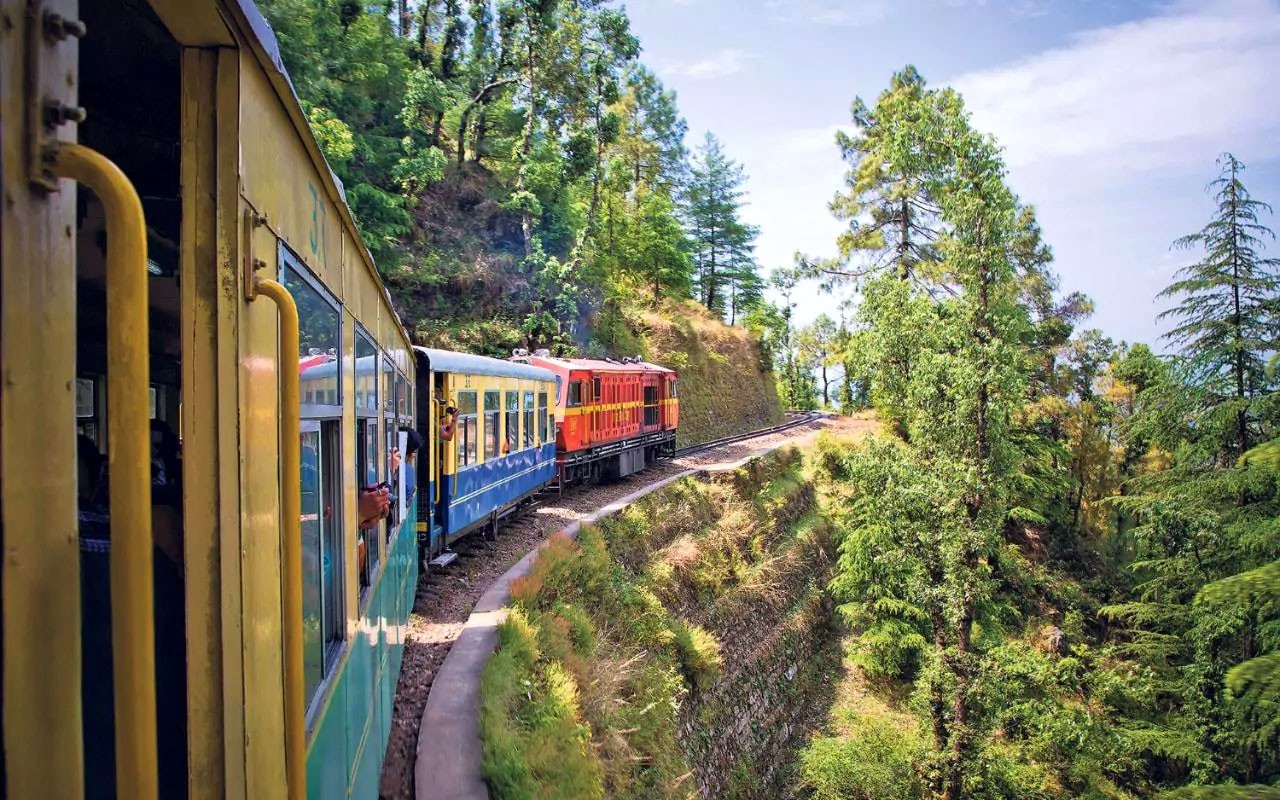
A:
(1111, 113)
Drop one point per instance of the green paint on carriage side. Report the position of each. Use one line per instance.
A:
(349, 738)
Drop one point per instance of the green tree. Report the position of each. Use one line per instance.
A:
(818, 341)
(1227, 316)
(893, 221)
(723, 245)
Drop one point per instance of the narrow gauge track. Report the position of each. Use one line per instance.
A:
(445, 597)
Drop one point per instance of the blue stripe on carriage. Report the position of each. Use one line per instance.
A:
(476, 492)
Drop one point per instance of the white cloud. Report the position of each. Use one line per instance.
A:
(1163, 93)
(840, 13)
(722, 63)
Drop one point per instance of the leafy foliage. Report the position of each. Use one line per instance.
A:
(1064, 567)
(519, 148)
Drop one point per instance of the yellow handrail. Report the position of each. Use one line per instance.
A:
(291, 513)
(129, 446)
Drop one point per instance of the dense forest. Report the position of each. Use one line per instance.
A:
(1059, 574)
(1058, 569)
(521, 178)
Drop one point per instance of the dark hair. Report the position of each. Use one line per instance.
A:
(414, 442)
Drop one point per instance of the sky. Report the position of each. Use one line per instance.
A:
(1111, 114)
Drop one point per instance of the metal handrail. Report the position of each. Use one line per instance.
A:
(129, 446)
(295, 731)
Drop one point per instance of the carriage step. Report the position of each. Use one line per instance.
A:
(444, 559)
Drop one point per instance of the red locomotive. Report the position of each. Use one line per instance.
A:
(613, 418)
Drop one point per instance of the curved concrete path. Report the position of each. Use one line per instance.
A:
(448, 764)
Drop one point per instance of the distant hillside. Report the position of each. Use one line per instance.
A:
(724, 385)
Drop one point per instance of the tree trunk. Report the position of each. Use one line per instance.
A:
(904, 231)
(1237, 325)
(526, 141)
(595, 171)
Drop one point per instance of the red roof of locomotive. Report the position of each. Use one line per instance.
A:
(599, 365)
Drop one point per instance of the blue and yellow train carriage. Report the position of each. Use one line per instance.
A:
(502, 451)
(178, 265)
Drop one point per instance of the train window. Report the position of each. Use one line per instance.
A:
(391, 432)
(595, 390)
(542, 417)
(492, 414)
(367, 544)
(651, 405)
(513, 423)
(528, 419)
(319, 338)
(468, 444)
(322, 573)
(575, 394)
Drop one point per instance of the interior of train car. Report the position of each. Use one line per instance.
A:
(130, 85)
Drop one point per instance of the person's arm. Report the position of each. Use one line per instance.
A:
(449, 425)
(373, 506)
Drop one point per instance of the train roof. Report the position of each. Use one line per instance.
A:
(599, 365)
(467, 364)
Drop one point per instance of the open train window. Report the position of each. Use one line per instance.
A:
(367, 544)
(469, 443)
(528, 419)
(492, 412)
(575, 394)
(513, 422)
(543, 437)
(595, 390)
(322, 550)
(391, 434)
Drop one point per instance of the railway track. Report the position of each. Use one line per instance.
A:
(445, 597)
(798, 418)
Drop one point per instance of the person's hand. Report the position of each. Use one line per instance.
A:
(374, 506)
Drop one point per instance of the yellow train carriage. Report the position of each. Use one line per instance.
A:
(165, 213)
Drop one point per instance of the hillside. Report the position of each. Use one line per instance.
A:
(523, 181)
(725, 386)
(677, 649)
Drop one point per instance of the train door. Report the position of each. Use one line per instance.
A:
(131, 88)
(96, 418)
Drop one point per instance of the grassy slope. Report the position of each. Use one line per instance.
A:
(614, 634)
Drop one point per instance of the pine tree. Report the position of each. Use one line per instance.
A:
(1227, 315)
(723, 244)
(892, 218)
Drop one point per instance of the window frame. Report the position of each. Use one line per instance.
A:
(492, 424)
(511, 414)
(527, 412)
(570, 401)
(322, 422)
(468, 450)
(543, 424)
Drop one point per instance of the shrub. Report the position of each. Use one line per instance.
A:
(875, 760)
